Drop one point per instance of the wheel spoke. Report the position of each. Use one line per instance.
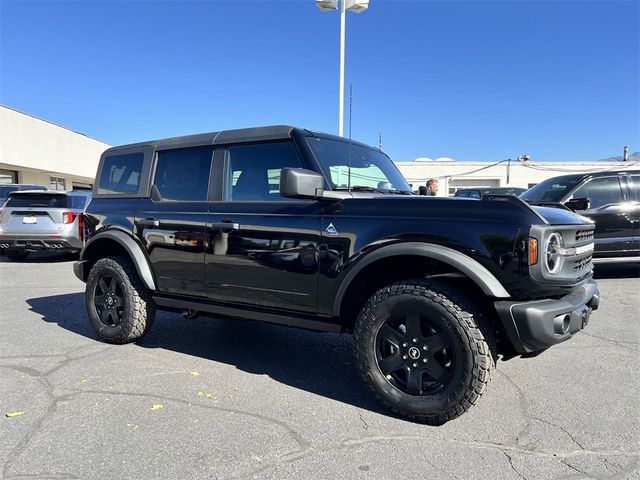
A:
(413, 325)
(100, 300)
(117, 302)
(390, 334)
(437, 372)
(414, 382)
(391, 363)
(104, 316)
(437, 342)
(112, 285)
(103, 285)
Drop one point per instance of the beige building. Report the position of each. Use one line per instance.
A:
(453, 175)
(36, 151)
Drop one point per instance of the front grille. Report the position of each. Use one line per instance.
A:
(582, 235)
(582, 263)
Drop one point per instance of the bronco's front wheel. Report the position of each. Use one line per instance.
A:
(119, 306)
(424, 350)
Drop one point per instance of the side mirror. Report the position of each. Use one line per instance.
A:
(301, 183)
(578, 204)
(422, 190)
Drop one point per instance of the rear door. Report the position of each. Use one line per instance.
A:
(609, 204)
(172, 223)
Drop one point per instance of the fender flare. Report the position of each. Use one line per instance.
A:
(482, 277)
(135, 251)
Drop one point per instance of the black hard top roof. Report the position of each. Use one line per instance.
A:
(243, 135)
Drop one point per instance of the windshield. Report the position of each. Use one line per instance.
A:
(370, 168)
(551, 190)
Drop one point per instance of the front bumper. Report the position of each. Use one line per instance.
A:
(536, 325)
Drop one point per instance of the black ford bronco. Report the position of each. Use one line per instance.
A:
(294, 227)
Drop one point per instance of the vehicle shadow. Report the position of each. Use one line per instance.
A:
(319, 363)
(43, 257)
(616, 270)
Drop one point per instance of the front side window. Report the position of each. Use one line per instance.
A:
(253, 171)
(183, 175)
(600, 192)
(121, 173)
(367, 167)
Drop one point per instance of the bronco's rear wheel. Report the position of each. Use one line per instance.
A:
(119, 305)
(424, 350)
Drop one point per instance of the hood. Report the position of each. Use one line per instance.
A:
(561, 216)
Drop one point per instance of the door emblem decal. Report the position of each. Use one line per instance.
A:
(331, 230)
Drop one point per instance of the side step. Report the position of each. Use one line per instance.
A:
(215, 309)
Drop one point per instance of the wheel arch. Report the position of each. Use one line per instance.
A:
(404, 256)
(115, 242)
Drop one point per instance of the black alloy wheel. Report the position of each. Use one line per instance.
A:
(414, 354)
(108, 299)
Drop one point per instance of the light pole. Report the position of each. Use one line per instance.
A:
(355, 6)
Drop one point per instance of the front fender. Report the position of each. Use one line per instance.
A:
(482, 277)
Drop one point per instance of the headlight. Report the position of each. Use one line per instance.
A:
(552, 248)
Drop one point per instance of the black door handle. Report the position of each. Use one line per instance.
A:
(225, 226)
(149, 222)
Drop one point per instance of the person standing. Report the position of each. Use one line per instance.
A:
(432, 187)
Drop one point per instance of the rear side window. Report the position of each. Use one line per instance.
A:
(183, 175)
(37, 200)
(121, 173)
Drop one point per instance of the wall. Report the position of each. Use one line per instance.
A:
(38, 149)
(452, 175)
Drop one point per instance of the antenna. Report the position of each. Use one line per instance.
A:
(380, 140)
(350, 110)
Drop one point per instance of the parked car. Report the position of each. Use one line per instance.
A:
(42, 220)
(610, 198)
(289, 226)
(478, 192)
(7, 188)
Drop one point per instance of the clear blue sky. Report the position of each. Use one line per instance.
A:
(472, 80)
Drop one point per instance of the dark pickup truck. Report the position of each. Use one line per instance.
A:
(285, 225)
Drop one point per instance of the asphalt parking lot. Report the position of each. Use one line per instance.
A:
(226, 399)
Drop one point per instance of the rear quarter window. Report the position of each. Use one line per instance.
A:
(121, 174)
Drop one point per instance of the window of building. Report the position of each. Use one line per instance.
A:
(57, 183)
(8, 176)
(183, 175)
(253, 171)
(121, 173)
(600, 191)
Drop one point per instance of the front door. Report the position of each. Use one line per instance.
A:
(608, 209)
(172, 224)
(264, 247)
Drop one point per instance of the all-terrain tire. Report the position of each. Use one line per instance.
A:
(132, 309)
(454, 340)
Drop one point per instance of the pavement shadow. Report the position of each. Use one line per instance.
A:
(616, 270)
(320, 363)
